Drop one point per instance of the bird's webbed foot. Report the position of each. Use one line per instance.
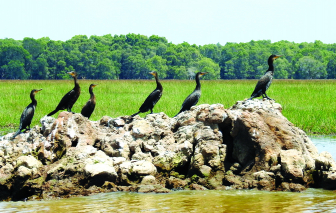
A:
(69, 110)
(268, 98)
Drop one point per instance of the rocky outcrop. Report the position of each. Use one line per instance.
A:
(250, 145)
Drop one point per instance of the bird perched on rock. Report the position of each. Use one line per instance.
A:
(28, 113)
(70, 98)
(91, 104)
(193, 98)
(266, 80)
(153, 98)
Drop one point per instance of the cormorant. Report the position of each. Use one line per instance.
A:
(265, 81)
(193, 98)
(153, 98)
(70, 98)
(28, 113)
(90, 105)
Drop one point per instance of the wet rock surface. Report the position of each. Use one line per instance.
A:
(248, 146)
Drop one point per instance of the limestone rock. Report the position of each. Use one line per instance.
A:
(100, 169)
(249, 145)
(292, 163)
(143, 168)
(148, 180)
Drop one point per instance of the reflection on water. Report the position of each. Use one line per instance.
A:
(311, 200)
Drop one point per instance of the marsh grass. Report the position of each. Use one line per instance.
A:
(309, 104)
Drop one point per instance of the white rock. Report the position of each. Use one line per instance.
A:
(143, 168)
(100, 169)
(24, 172)
(292, 162)
(29, 162)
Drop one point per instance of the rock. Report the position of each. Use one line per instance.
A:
(176, 183)
(143, 168)
(152, 188)
(24, 172)
(148, 180)
(29, 162)
(292, 163)
(6, 171)
(248, 146)
(325, 162)
(100, 169)
(141, 128)
(195, 186)
(205, 170)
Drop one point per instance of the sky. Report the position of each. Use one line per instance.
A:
(197, 22)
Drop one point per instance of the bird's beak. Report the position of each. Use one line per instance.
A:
(204, 73)
(277, 56)
(36, 91)
(94, 85)
(71, 73)
(153, 73)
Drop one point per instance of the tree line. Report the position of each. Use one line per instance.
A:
(132, 56)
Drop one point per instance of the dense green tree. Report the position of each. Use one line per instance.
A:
(34, 47)
(14, 70)
(331, 67)
(309, 68)
(39, 69)
(132, 56)
(208, 65)
(158, 64)
(283, 68)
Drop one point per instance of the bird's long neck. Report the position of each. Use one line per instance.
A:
(92, 96)
(76, 83)
(270, 66)
(32, 97)
(158, 84)
(198, 83)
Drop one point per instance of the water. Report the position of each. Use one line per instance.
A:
(325, 143)
(311, 200)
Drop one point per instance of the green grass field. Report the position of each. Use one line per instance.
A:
(309, 104)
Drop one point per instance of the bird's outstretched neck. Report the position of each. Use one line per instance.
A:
(158, 84)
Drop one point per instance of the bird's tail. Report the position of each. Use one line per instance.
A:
(53, 112)
(16, 134)
(254, 95)
(135, 114)
(177, 114)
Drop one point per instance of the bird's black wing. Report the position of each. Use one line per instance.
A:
(88, 109)
(190, 101)
(262, 85)
(151, 100)
(63, 104)
(27, 116)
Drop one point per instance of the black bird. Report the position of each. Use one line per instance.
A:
(28, 113)
(193, 98)
(70, 98)
(153, 98)
(265, 81)
(90, 105)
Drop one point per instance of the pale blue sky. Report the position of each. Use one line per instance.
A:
(194, 21)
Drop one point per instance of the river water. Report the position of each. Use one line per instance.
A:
(311, 200)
